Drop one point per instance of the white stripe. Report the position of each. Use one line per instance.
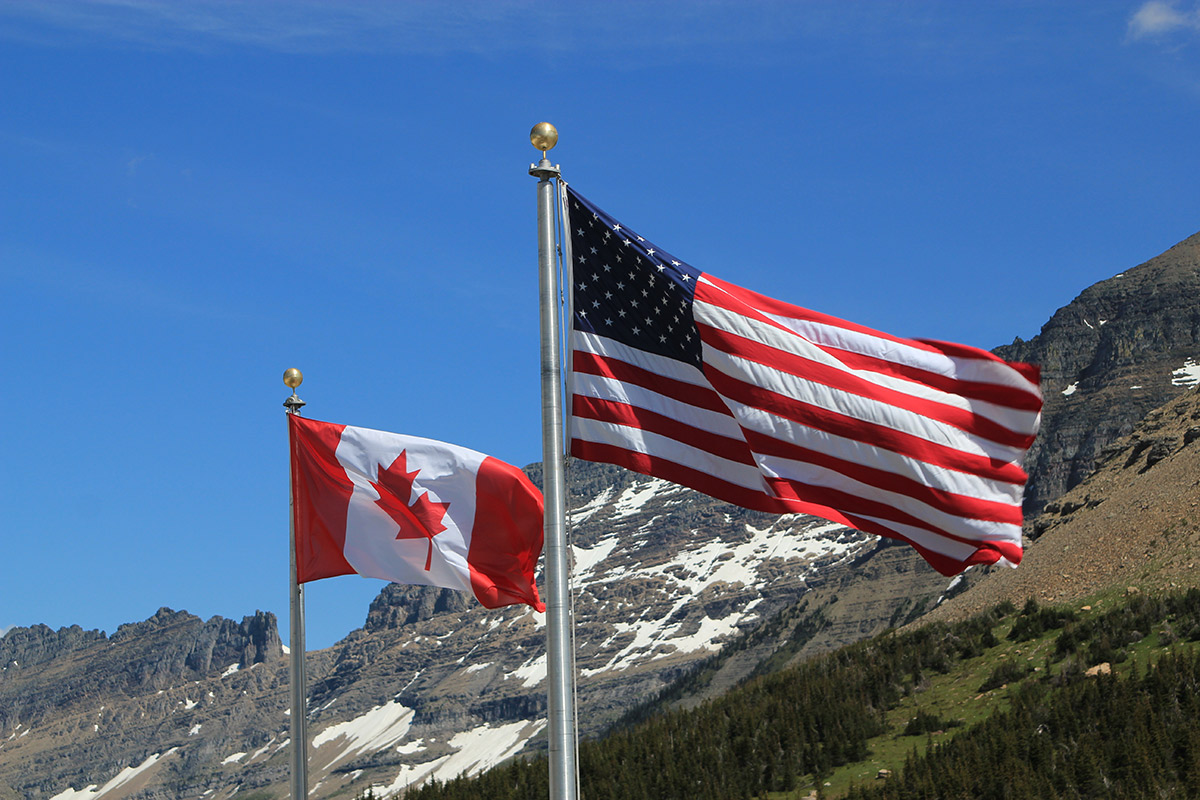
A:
(1024, 422)
(659, 365)
(982, 370)
(951, 548)
(967, 484)
(975, 370)
(861, 408)
(635, 395)
(822, 476)
(638, 440)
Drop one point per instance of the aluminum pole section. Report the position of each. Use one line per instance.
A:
(298, 674)
(560, 672)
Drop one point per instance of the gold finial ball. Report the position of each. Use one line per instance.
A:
(292, 378)
(544, 136)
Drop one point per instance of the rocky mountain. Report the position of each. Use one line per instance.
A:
(73, 698)
(1121, 348)
(433, 684)
(665, 582)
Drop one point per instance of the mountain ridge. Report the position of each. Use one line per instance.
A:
(669, 584)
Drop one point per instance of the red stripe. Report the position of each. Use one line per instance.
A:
(994, 393)
(999, 394)
(506, 536)
(608, 367)
(884, 480)
(823, 374)
(320, 499)
(1030, 372)
(779, 308)
(870, 434)
(850, 504)
(633, 417)
(656, 467)
(988, 552)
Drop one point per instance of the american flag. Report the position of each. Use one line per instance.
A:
(681, 376)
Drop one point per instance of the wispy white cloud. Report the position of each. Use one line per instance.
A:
(383, 25)
(633, 31)
(1157, 18)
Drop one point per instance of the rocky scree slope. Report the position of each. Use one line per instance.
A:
(1133, 525)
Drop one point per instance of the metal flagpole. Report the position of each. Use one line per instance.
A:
(560, 672)
(298, 676)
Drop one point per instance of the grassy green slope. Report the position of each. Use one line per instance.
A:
(829, 725)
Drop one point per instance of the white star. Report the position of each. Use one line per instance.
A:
(685, 277)
(595, 304)
(608, 321)
(627, 242)
(608, 295)
(594, 251)
(640, 239)
(662, 339)
(649, 252)
(621, 313)
(636, 330)
(579, 231)
(617, 227)
(674, 263)
(607, 268)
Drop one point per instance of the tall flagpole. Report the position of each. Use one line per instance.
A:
(560, 672)
(298, 676)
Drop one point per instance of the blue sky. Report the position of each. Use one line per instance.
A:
(195, 196)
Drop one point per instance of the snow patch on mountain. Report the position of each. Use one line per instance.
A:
(123, 777)
(378, 729)
(476, 750)
(532, 672)
(634, 499)
(1187, 375)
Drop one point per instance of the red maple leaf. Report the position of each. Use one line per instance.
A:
(422, 519)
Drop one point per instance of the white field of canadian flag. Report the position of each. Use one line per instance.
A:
(414, 511)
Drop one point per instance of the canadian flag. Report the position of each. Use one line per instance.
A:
(412, 510)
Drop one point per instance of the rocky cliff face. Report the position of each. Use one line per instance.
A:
(75, 702)
(664, 579)
(1121, 348)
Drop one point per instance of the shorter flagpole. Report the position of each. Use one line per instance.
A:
(298, 677)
